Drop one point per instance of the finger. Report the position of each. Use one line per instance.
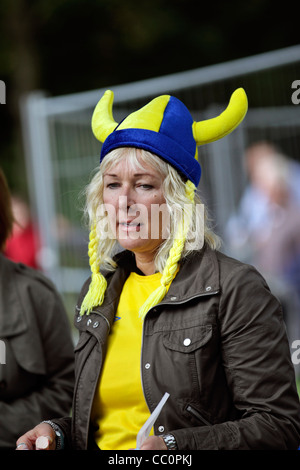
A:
(154, 443)
(28, 440)
(24, 443)
(22, 446)
(43, 443)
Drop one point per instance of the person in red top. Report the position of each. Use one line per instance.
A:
(23, 244)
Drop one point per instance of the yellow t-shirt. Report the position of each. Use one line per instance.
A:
(119, 405)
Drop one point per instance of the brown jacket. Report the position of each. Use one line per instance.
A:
(36, 378)
(216, 343)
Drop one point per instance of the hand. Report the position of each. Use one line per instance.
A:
(36, 438)
(154, 443)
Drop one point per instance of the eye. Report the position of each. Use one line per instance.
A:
(146, 187)
(112, 185)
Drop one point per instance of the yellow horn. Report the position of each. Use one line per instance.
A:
(220, 126)
(103, 122)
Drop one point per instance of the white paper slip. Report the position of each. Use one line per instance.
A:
(146, 428)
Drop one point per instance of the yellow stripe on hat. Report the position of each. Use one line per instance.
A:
(149, 117)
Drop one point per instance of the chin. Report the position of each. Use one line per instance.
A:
(132, 245)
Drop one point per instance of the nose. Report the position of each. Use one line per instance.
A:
(126, 198)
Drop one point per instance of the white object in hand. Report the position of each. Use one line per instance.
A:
(146, 428)
(42, 443)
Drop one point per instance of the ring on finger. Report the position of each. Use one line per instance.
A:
(21, 444)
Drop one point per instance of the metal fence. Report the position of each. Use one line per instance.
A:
(61, 152)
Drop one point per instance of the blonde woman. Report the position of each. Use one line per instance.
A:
(164, 310)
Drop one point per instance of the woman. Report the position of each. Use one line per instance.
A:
(36, 378)
(170, 313)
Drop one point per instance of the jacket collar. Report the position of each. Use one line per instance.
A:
(198, 275)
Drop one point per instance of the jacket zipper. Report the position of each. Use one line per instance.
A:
(141, 365)
(197, 415)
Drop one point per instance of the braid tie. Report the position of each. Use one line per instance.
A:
(171, 266)
(97, 287)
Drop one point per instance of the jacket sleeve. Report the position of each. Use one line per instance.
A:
(258, 368)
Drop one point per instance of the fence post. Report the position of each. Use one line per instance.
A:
(2, 352)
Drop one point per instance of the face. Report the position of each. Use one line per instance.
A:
(134, 201)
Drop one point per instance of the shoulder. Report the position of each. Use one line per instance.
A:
(32, 286)
(234, 271)
(30, 277)
(220, 265)
(233, 278)
(23, 275)
(246, 297)
(27, 292)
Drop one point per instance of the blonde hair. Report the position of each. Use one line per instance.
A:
(185, 221)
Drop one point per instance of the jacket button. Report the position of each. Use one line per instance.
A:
(208, 288)
(161, 428)
(79, 319)
(89, 322)
(95, 324)
(187, 341)
(173, 297)
(147, 366)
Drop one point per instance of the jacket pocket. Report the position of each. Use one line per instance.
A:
(196, 414)
(187, 340)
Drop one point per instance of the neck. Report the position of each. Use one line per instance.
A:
(145, 264)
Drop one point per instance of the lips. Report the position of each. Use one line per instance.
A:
(130, 226)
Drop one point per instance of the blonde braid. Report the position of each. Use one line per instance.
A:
(98, 283)
(171, 266)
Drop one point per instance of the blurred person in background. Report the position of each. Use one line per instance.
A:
(36, 380)
(265, 230)
(23, 244)
(271, 196)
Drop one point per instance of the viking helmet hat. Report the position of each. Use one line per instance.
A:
(165, 127)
